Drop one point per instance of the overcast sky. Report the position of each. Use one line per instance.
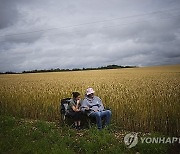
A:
(44, 34)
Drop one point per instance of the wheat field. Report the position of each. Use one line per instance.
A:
(141, 99)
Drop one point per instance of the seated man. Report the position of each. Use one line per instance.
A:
(94, 107)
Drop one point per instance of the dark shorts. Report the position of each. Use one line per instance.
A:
(75, 115)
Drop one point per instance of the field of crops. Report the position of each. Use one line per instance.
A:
(142, 99)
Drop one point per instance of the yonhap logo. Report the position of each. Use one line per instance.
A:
(131, 140)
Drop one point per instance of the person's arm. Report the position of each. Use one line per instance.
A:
(101, 107)
(74, 107)
(78, 104)
(84, 106)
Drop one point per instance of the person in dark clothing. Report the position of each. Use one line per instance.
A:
(74, 109)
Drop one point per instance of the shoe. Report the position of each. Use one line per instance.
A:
(78, 127)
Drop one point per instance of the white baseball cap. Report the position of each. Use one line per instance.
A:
(90, 91)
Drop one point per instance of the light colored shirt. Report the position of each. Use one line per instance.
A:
(94, 104)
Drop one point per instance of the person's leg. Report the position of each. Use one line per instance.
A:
(107, 115)
(75, 123)
(75, 117)
(97, 115)
(78, 119)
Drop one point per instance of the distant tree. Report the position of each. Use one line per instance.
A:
(76, 69)
(9, 72)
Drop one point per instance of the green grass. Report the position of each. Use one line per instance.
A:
(29, 136)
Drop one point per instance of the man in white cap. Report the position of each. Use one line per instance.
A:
(94, 108)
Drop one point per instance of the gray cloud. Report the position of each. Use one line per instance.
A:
(8, 13)
(151, 39)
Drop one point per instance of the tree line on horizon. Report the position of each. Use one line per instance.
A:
(74, 69)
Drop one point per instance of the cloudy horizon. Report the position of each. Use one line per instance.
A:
(70, 34)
